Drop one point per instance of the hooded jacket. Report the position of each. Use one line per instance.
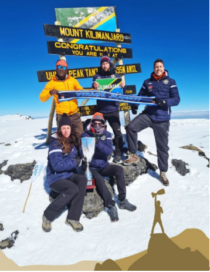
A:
(60, 165)
(103, 149)
(164, 88)
(106, 106)
(69, 107)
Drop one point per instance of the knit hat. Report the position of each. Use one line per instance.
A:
(64, 121)
(62, 63)
(105, 58)
(98, 117)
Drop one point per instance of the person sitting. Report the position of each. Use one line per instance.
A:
(62, 177)
(99, 167)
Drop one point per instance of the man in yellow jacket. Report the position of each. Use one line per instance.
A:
(60, 82)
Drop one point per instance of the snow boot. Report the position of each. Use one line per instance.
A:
(46, 224)
(117, 159)
(164, 179)
(76, 225)
(125, 205)
(132, 159)
(113, 214)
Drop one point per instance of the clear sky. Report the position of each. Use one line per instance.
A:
(176, 31)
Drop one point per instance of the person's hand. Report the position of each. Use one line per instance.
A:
(122, 84)
(84, 164)
(134, 109)
(79, 161)
(53, 91)
(159, 102)
(96, 85)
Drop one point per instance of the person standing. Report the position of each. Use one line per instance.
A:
(63, 178)
(156, 117)
(110, 109)
(64, 82)
(100, 167)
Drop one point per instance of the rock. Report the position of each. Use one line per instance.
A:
(7, 144)
(1, 227)
(20, 171)
(93, 203)
(180, 166)
(2, 165)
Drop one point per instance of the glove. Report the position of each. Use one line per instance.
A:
(159, 102)
(79, 161)
(134, 109)
(84, 164)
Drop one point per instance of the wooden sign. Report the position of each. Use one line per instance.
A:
(90, 110)
(87, 50)
(87, 34)
(46, 75)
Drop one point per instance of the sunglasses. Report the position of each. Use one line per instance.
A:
(97, 124)
(63, 67)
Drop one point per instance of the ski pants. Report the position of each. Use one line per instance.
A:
(109, 171)
(160, 130)
(114, 121)
(71, 194)
(77, 127)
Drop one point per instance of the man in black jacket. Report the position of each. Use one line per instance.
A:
(110, 109)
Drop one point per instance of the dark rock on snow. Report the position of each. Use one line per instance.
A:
(2, 165)
(20, 171)
(180, 166)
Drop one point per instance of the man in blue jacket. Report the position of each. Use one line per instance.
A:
(156, 117)
(110, 109)
(100, 167)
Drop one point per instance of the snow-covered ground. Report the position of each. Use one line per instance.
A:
(185, 204)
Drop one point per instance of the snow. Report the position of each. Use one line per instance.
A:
(185, 203)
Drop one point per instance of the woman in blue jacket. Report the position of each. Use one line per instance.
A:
(100, 167)
(63, 179)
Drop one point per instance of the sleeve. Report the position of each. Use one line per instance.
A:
(143, 90)
(94, 80)
(77, 85)
(58, 162)
(45, 94)
(174, 95)
(104, 147)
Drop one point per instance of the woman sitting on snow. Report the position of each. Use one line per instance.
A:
(100, 167)
(63, 179)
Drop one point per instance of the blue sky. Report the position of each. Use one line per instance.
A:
(176, 31)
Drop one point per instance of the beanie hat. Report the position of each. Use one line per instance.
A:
(105, 58)
(98, 117)
(64, 121)
(62, 63)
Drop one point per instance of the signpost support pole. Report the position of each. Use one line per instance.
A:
(52, 111)
(120, 61)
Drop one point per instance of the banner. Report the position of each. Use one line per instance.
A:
(46, 75)
(87, 34)
(98, 18)
(86, 50)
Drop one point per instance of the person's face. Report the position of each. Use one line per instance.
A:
(66, 131)
(158, 68)
(97, 124)
(61, 70)
(105, 66)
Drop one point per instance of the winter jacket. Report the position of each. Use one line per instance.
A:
(165, 89)
(69, 107)
(102, 149)
(106, 106)
(60, 165)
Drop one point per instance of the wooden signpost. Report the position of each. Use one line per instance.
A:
(72, 35)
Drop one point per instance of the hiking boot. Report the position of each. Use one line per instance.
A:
(113, 214)
(132, 159)
(125, 205)
(141, 146)
(164, 179)
(76, 225)
(46, 224)
(117, 159)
